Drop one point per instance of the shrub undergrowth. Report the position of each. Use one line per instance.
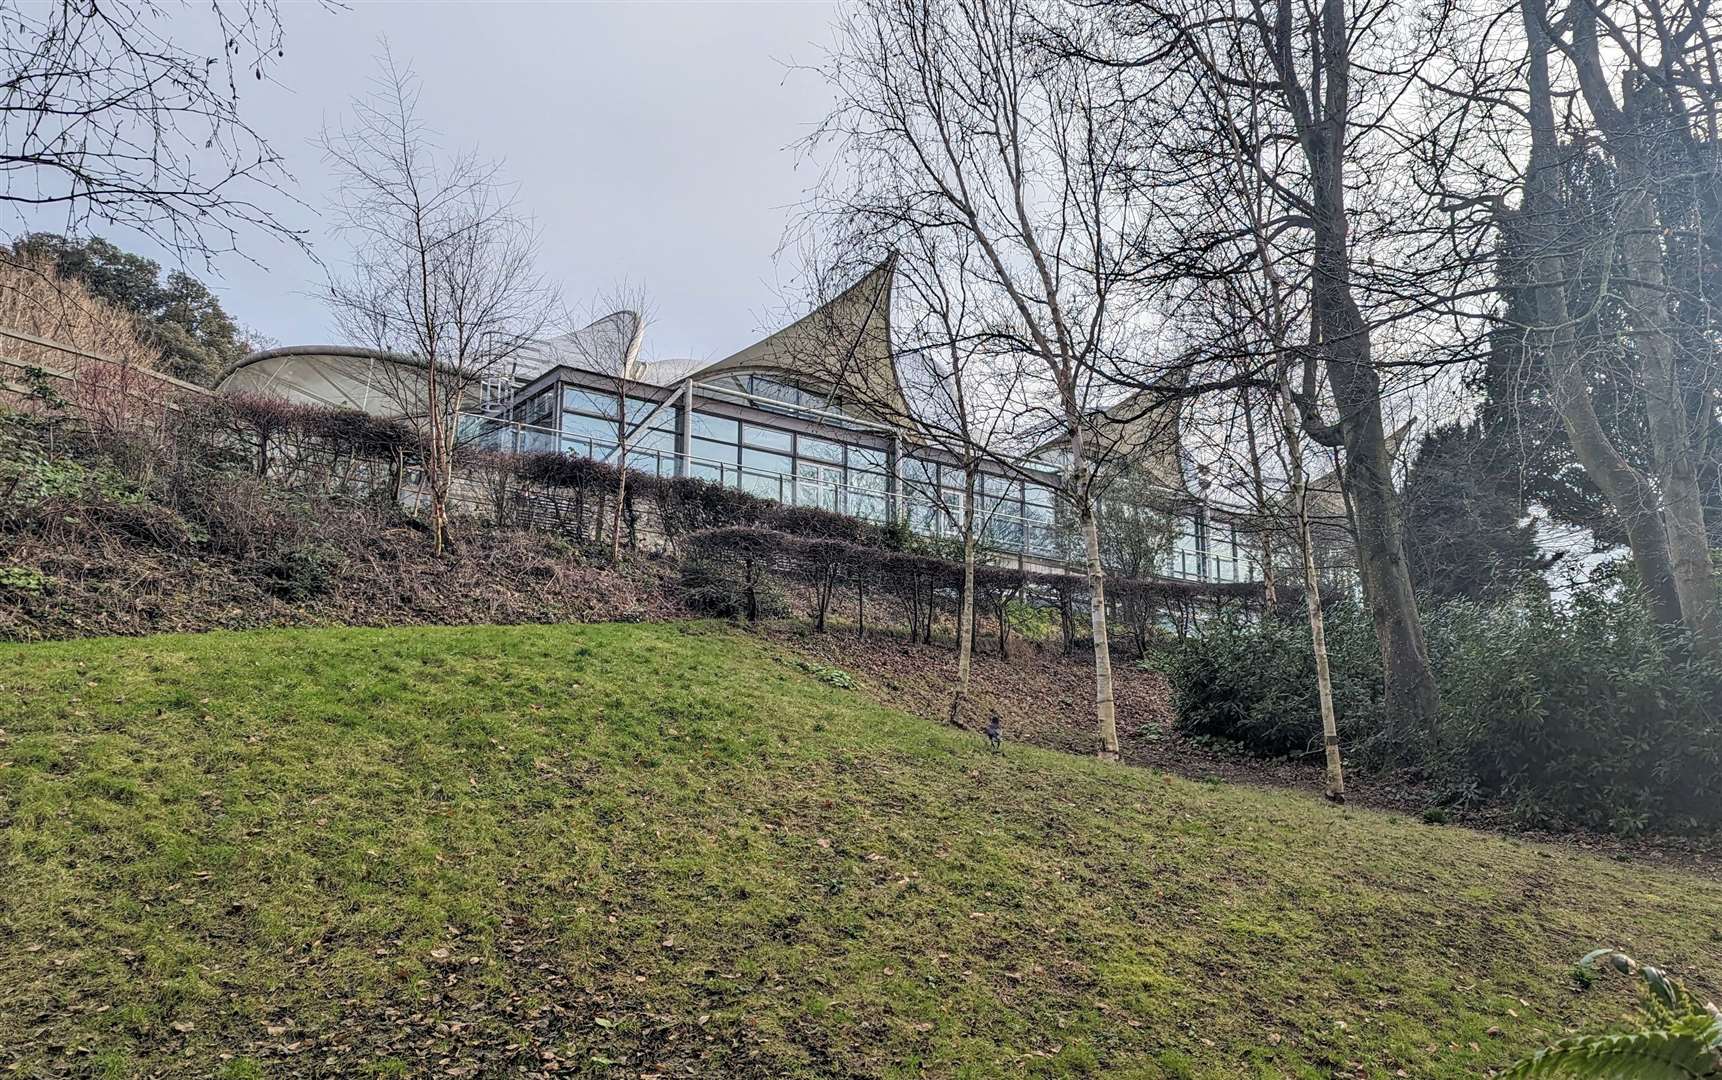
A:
(1582, 712)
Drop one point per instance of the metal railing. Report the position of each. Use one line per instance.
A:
(1021, 535)
(1017, 534)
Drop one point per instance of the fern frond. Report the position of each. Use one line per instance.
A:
(1644, 1055)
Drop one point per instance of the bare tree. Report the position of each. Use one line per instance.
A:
(955, 116)
(948, 385)
(610, 345)
(111, 120)
(1307, 97)
(442, 272)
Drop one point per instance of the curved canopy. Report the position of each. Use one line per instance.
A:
(844, 344)
(342, 376)
(392, 384)
(608, 346)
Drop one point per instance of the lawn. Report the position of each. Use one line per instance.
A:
(637, 850)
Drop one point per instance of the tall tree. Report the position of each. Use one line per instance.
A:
(954, 116)
(1659, 138)
(1467, 534)
(442, 272)
(178, 314)
(1275, 86)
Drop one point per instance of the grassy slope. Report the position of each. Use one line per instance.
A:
(657, 848)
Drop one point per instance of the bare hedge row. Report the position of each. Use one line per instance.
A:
(729, 531)
(924, 584)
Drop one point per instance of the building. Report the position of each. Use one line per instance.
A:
(763, 421)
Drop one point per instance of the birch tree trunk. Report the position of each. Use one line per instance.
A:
(1106, 722)
(1312, 594)
(621, 469)
(966, 611)
(1270, 590)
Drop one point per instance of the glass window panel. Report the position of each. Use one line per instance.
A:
(1001, 485)
(925, 518)
(1043, 541)
(769, 438)
(646, 461)
(595, 402)
(640, 408)
(721, 428)
(765, 461)
(1036, 495)
(822, 449)
(589, 426)
(699, 470)
(540, 411)
(920, 474)
(870, 481)
(1004, 531)
(765, 485)
(707, 450)
(816, 485)
(654, 439)
(871, 507)
(535, 441)
(865, 457)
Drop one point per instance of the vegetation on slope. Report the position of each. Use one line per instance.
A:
(627, 850)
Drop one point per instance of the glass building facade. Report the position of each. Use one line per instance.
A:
(767, 437)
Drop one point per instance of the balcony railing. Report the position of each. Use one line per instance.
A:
(1026, 536)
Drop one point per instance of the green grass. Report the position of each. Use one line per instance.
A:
(637, 849)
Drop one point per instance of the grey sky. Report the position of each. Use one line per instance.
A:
(651, 141)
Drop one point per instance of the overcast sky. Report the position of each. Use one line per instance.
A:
(651, 141)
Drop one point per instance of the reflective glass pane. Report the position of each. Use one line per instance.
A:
(765, 461)
(769, 438)
(865, 457)
(597, 403)
(707, 450)
(823, 449)
(925, 518)
(589, 426)
(870, 507)
(921, 474)
(1043, 541)
(1004, 532)
(765, 485)
(721, 428)
(540, 411)
(654, 439)
(869, 481)
(640, 408)
(645, 461)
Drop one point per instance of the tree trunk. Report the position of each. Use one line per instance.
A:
(621, 471)
(1312, 593)
(1627, 490)
(1412, 698)
(1670, 429)
(965, 610)
(1270, 590)
(1106, 722)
